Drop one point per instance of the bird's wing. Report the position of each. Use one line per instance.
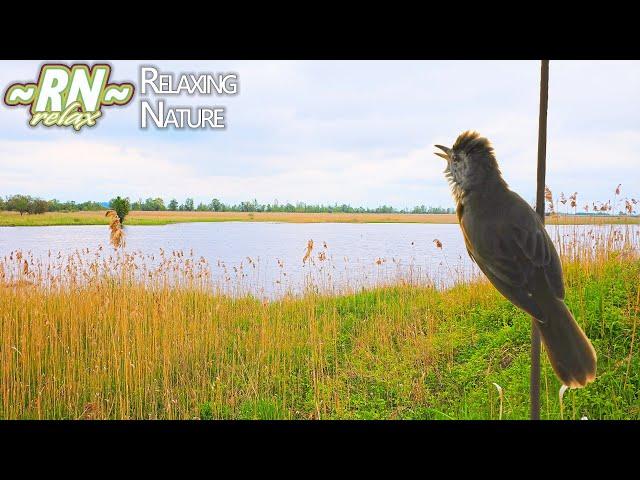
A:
(512, 247)
(535, 244)
(471, 255)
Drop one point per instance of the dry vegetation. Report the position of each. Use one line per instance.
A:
(116, 334)
(113, 333)
(168, 217)
(116, 232)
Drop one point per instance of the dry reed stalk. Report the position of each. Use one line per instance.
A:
(307, 255)
(548, 196)
(116, 237)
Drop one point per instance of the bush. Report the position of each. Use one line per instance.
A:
(19, 203)
(38, 206)
(121, 206)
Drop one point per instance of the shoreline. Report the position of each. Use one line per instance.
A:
(147, 218)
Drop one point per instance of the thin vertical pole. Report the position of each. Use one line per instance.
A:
(542, 164)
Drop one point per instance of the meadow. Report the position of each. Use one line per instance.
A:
(91, 336)
(14, 219)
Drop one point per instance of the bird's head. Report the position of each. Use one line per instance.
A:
(470, 162)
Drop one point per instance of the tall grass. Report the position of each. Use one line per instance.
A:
(168, 217)
(117, 334)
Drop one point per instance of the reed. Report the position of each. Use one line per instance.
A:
(169, 217)
(116, 232)
(112, 333)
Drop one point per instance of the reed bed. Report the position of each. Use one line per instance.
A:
(113, 334)
(169, 217)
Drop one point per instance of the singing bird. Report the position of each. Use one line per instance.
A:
(505, 237)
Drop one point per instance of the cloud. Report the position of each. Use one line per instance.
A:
(352, 132)
(100, 171)
(89, 170)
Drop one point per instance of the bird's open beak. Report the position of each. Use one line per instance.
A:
(446, 151)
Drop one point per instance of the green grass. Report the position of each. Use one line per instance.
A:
(403, 352)
(14, 219)
(481, 338)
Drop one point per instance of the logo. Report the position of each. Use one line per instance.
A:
(66, 96)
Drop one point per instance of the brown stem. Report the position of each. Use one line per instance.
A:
(542, 160)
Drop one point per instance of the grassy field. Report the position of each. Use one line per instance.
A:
(163, 218)
(110, 347)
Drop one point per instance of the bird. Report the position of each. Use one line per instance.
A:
(506, 238)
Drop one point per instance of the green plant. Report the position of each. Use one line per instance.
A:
(121, 206)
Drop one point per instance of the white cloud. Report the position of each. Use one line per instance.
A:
(95, 169)
(354, 132)
(99, 171)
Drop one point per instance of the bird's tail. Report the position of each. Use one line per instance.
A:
(570, 351)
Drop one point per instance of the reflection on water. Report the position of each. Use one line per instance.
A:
(266, 259)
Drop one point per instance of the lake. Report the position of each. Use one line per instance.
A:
(266, 259)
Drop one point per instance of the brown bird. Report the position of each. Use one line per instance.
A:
(507, 240)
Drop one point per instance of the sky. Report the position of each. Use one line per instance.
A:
(356, 132)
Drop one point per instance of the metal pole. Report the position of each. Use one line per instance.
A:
(542, 161)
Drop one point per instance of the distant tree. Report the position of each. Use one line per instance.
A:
(54, 205)
(19, 203)
(27, 204)
(121, 206)
(188, 205)
(153, 205)
(159, 203)
(38, 206)
(68, 206)
(88, 206)
(215, 205)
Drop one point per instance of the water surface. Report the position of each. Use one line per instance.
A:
(266, 259)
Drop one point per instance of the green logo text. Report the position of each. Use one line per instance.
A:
(69, 96)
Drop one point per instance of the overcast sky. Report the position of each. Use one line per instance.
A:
(358, 132)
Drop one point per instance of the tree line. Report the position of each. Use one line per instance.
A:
(216, 205)
(35, 205)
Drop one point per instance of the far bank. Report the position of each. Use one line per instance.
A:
(14, 219)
